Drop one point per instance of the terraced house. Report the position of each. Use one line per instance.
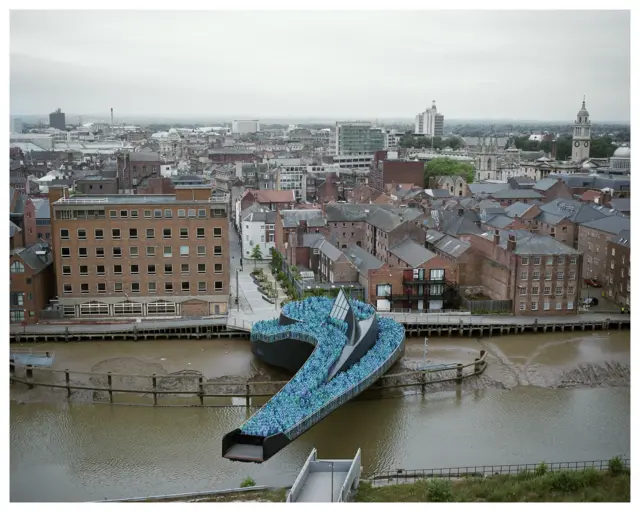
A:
(141, 255)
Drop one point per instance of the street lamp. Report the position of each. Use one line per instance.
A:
(237, 293)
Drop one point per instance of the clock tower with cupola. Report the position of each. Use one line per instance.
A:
(581, 135)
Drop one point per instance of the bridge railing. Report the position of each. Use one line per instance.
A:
(293, 494)
(296, 335)
(410, 475)
(343, 398)
(352, 475)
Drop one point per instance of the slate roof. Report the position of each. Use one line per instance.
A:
(266, 217)
(36, 262)
(329, 250)
(622, 204)
(461, 225)
(613, 224)
(500, 221)
(385, 220)
(341, 212)
(144, 156)
(452, 246)
(512, 193)
(488, 203)
(517, 209)
(575, 211)
(545, 184)
(43, 209)
(534, 244)
(13, 229)
(623, 238)
(434, 236)
(310, 239)
(487, 188)
(440, 193)
(363, 260)
(292, 218)
(20, 203)
(412, 253)
(549, 218)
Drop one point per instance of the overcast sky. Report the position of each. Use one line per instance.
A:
(346, 65)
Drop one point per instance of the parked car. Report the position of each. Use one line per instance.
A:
(593, 283)
(590, 301)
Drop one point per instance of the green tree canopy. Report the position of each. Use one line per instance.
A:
(447, 167)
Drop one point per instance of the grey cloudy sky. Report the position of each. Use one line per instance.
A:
(533, 65)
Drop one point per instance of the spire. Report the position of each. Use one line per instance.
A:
(584, 101)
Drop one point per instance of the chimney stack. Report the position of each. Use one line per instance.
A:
(496, 237)
(511, 243)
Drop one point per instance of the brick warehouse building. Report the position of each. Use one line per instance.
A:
(141, 255)
(385, 170)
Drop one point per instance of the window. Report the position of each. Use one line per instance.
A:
(217, 286)
(94, 308)
(168, 214)
(191, 213)
(157, 214)
(82, 252)
(17, 267)
(184, 233)
(570, 304)
(612, 265)
(524, 276)
(124, 213)
(161, 308)
(199, 232)
(217, 268)
(202, 213)
(523, 290)
(535, 290)
(571, 290)
(117, 269)
(167, 252)
(549, 260)
(115, 234)
(117, 287)
(184, 268)
(151, 251)
(613, 251)
(100, 270)
(181, 214)
(99, 234)
(547, 290)
(536, 260)
(559, 290)
(547, 305)
(218, 212)
(147, 214)
(202, 286)
(113, 214)
(523, 306)
(437, 274)
(168, 269)
(151, 287)
(202, 268)
(134, 269)
(133, 252)
(560, 260)
(166, 233)
(66, 270)
(133, 233)
(574, 260)
(534, 306)
(151, 270)
(127, 308)
(622, 272)
(135, 287)
(84, 287)
(102, 287)
(134, 214)
(185, 286)
(558, 305)
(65, 252)
(382, 290)
(82, 234)
(217, 232)
(184, 250)
(217, 250)
(64, 234)
(262, 238)
(588, 259)
(117, 252)
(560, 276)
(168, 287)
(66, 288)
(547, 276)
(525, 261)
(151, 233)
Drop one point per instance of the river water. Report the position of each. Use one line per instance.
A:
(560, 397)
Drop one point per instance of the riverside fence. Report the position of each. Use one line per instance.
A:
(402, 476)
(190, 388)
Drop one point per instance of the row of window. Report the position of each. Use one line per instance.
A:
(100, 270)
(536, 260)
(546, 305)
(535, 275)
(191, 213)
(150, 233)
(535, 290)
(150, 251)
(152, 287)
(125, 308)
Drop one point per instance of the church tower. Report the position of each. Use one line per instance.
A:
(581, 135)
(487, 159)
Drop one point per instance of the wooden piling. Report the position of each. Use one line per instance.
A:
(12, 367)
(459, 372)
(154, 384)
(247, 394)
(201, 389)
(476, 365)
(109, 385)
(29, 372)
(67, 382)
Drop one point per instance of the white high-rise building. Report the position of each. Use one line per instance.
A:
(429, 122)
(16, 125)
(581, 135)
(245, 126)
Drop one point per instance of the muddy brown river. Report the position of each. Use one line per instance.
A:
(560, 397)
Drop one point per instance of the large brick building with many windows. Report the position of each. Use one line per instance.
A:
(141, 255)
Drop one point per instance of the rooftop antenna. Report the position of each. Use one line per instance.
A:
(112, 118)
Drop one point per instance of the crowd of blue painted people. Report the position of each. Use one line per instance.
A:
(309, 391)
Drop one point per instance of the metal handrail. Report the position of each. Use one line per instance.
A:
(81, 200)
(355, 467)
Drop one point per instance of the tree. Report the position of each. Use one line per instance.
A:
(447, 167)
(256, 254)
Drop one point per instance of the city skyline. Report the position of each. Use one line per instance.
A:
(486, 65)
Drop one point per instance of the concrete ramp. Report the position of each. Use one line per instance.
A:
(326, 480)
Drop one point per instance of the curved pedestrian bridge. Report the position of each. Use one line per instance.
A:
(337, 348)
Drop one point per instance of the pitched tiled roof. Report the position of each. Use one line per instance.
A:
(412, 253)
(622, 204)
(329, 250)
(363, 260)
(452, 246)
(517, 209)
(274, 196)
(622, 238)
(35, 261)
(516, 194)
(613, 224)
(545, 184)
(13, 229)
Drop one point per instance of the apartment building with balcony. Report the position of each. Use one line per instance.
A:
(141, 255)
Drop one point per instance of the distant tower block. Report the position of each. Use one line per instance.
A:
(112, 117)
